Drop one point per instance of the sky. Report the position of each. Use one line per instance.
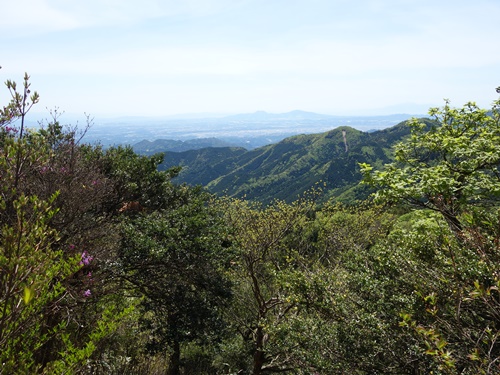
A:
(168, 57)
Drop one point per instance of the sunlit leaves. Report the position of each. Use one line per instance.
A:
(446, 166)
(453, 169)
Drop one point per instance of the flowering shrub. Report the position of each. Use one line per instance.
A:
(86, 259)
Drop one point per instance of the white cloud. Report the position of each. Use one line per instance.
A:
(30, 17)
(116, 12)
(23, 17)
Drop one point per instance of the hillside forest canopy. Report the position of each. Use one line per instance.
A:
(109, 267)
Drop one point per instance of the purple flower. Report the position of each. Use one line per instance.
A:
(86, 259)
(9, 129)
(87, 293)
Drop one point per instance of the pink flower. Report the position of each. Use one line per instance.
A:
(10, 129)
(86, 259)
(87, 293)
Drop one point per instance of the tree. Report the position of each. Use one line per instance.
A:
(51, 219)
(28, 266)
(452, 168)
(275, 281)
(175, 257)
(137, 181)
(451, 165)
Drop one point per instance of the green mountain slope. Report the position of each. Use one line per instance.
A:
(287, 169)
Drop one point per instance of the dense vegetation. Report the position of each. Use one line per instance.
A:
(108, 267)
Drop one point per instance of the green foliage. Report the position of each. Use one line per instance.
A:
(452, 169)
(175, 257)
(268, 268)
(363, 306)
(29, 270)
(50, 215)
(293, 304)
(443, 168)
(72, 357)
(137, 179)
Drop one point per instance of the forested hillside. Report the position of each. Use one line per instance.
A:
(109, 267)
(287, 169)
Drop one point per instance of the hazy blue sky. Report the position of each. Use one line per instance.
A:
(163, 57)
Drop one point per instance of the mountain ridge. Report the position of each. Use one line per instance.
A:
(287, 169)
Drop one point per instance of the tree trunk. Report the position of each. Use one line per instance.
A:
(258, 355)
(174, 365)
